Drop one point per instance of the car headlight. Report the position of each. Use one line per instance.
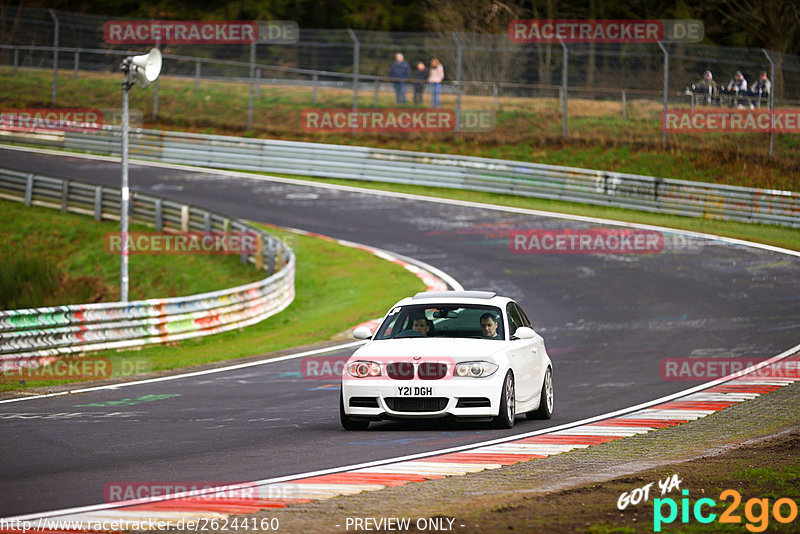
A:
(475, 369)
(364, 369)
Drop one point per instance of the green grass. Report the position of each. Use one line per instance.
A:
(527, 129)
(337, 287)
(74, 248)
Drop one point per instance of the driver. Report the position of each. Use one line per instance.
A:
(423, 326)
(489, 326)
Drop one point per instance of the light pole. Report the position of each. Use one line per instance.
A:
(140, 70)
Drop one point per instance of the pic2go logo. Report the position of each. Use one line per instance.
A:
(756, 511)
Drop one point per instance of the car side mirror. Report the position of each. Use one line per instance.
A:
(362, 332)
(524, 332)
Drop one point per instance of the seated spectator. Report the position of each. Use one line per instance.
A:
(737, 86)
(706, 86)
(761, 88)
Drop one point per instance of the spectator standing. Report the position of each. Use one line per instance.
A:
(761, 88)
(400, 72)
(737, 86)
(435, 77)
(420, 77)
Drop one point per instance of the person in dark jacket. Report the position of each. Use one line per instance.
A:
(400, 72)
(420, 78)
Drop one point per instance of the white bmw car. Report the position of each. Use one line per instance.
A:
(471, 355)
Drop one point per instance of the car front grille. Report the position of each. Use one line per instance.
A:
(425, 370)
(400, 371)
(416, 404)
(431, 370)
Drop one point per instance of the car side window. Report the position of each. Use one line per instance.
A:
(514, 320)
(525, 320)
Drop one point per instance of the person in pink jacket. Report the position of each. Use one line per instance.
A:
(435, 77)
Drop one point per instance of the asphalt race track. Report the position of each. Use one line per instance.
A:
(608, 322)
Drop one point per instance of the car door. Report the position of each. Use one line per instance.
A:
(523, 358)
(539, 353)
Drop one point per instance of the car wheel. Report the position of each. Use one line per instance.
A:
(348, 422)
(545, 410)
(507, 404)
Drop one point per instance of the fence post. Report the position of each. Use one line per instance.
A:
(76, 63)
(55, 54)
(252, 85)
(356, 62)
(315, 79)
(258, 82)
(771, 103)
(197, 75)
(564, 82)
(16, 61)
(624, 106)
(666, 96)
(377, 88)
(458, 81)
(496, 91)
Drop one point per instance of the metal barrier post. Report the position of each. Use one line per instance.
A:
(98, 203)
(496, 97)
(666, 95)
(56, 25)
(76, 63)
(16, 61)
(155, 100)
(197, 75)
(771, 103)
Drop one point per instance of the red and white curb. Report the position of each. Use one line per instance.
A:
(220, 503)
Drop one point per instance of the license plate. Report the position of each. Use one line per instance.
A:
(415, 391)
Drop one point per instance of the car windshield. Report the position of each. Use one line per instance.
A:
(443, 321)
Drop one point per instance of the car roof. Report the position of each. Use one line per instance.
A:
(456, 297)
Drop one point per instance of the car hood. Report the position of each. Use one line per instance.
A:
(458, 350)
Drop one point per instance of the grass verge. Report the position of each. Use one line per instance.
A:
(527, 129)
(336, 287)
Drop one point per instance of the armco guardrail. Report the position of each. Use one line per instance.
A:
(31, 333)
(647, 193)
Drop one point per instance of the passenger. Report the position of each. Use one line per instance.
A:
(489, 327)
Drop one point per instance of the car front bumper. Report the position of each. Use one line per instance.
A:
(375, 399)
